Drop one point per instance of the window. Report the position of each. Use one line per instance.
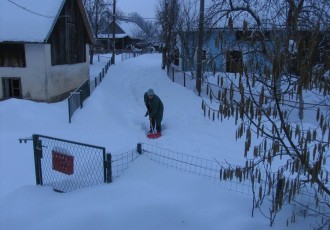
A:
(204, 54)
(251, 35)
(234, 61)
(11, 87)
(12, 55)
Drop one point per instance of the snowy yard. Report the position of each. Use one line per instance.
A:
(148, 195)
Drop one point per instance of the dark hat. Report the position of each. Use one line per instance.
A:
(150, 92)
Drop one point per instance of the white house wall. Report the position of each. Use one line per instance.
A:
(64, 78)
(32, 76)
(40, 80)
(33, 79)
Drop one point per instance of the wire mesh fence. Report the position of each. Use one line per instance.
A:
(76, 98)
(130, 54)
(216, 87)
(206, 168)
(215, 171)
(185, 79)
(66, 165)
(121, 162)
(99, 78)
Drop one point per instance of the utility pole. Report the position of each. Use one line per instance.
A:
(113, 59)
(165, 48)
(108, 30)
(200, 48)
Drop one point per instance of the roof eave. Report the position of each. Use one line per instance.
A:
(54, 21)
(84, 17)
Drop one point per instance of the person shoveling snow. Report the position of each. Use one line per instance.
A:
(155, 110)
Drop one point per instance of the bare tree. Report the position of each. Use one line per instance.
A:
(167, 16)
(95, 9)
(186, 28)
(281, 95)
(149, 27)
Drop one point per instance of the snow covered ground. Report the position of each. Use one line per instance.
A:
(147, 195)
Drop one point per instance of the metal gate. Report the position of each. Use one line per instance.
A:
(68, 165)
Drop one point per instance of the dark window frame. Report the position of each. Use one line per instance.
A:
(12, 87)
(12, 55)
(234, 61)
(250, 35)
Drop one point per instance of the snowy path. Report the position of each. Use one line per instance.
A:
(120, 98)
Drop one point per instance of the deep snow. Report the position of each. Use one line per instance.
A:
(147, 195)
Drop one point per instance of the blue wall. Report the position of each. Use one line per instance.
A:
(218, 42)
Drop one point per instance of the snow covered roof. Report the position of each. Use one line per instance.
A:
(130, 29)
(30, 20)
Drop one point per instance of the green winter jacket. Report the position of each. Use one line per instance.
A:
(155, 107)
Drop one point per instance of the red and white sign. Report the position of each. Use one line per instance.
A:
(62, 162)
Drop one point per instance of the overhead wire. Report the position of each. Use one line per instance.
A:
(47, 16)
(29, 10)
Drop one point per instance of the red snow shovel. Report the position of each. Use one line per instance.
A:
(153, 134)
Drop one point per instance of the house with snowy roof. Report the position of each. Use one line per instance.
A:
(44, 48)
(126, 33)
(235, 40)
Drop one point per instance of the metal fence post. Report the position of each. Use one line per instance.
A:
(184, 79)
(37, 149)
(81, 98)
(139, 148)
(69, 105)
(108, 167)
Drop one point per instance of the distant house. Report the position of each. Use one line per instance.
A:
(225, 49)
(236, 43)
(43, 48)
(126, 34)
